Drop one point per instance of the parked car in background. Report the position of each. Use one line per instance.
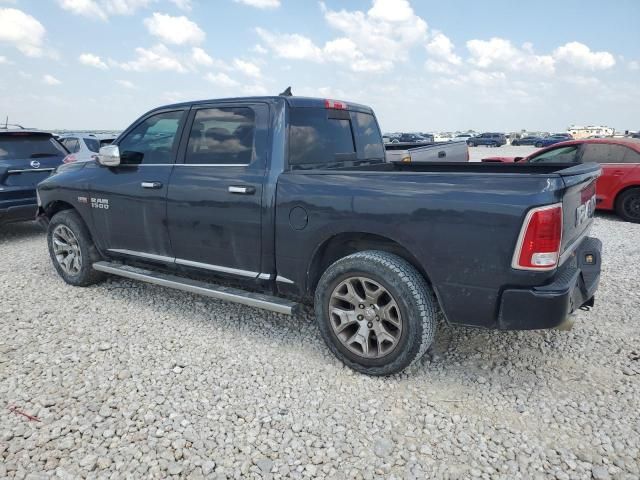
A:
(84, 146)
(550, 140)
(462, 137)
(618, 188)
(292, 197)
(425, 153)
(488, 139)
(410, 138)
(26, 158)
(528, 140)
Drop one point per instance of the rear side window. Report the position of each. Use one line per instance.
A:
(71, 144)
(92, 144)
(631, 156)
(603, 153)
(222, 136)
(368, 139)
(316, 138)
(29, 146)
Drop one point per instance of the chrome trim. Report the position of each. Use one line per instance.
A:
(235, 189)
(523, 230)
(265, 276)
(150, 256)
(183, 165)
(23, 170)
(256, 300)
(571, 248)
(217, 268)
(284, 280)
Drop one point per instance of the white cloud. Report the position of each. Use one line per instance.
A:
(103, 8)
(92, 60)
(371, 41)
(257, 48)
(220, 79)
(3, 59)
(183, 4)
(174, 30)
(500, 54)
(85, 8)
(50, 80)
(22, 31)
(260, 3)
(247, 68)
(126, 84)
(157, 58)
(291, 46)
(634, 65)
(444, 68)
(442, 48)
(579, 55)
(200, 57)
(255, 89)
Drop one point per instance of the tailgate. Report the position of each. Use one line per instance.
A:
(578, 202)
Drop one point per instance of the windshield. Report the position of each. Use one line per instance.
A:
(28, 145)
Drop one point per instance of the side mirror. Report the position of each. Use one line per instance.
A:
(517, 159)
(109, 156)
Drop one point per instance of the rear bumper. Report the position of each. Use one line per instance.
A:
(18, 213)
(548, 306)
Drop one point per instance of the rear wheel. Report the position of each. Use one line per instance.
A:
(538, 145)
(471, 144)
(72, 250)
(628, 205)
(376, 312)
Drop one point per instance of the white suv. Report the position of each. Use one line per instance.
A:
(84, 146)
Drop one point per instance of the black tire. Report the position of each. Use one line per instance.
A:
(471, 144)
(415, 300)
(515, 144)
(538, 145)
(628, 205)
(87, 250)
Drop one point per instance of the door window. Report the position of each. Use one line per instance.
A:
(368, 137)
(604, 153)
(152, 141)
(222, 136)
(631, 156)
(557, 155)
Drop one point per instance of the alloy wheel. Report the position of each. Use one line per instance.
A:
(67, 249)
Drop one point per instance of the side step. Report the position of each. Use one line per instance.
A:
(251, 299)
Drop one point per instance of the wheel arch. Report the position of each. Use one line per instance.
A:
(342, 244)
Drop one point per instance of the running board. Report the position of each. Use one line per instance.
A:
(251, 299)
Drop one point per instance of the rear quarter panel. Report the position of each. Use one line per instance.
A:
(461, 227)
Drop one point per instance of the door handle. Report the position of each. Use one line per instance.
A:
(155, 185)
(442, 154)
(242, 190)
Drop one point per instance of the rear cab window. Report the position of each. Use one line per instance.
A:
(29, 145)
(331, 138)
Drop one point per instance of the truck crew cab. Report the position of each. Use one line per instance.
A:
(290, 199)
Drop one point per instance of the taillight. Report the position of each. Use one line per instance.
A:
(538, 246)
(335, 104)
(69, 158)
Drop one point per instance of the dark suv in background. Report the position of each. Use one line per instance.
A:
(26, 158)
(488, 139)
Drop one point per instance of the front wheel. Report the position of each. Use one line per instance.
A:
(72, 250)
(471, 144)
(628, 205)
(376, 312)
(538, 145)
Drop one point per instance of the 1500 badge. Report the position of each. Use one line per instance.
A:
(102, 203)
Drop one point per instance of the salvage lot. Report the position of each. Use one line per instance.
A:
(132, 379)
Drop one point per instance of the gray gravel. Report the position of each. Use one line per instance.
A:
(131, 380)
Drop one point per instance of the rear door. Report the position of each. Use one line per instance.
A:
(26, 158)
(214, 206)
(128, 202)
(614, 168)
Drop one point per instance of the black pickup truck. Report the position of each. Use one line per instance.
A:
(288, 200)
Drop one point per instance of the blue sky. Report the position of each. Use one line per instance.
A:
(422, 65)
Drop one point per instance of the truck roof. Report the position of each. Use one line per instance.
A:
(293, 101)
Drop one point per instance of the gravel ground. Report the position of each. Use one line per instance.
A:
(128, 380)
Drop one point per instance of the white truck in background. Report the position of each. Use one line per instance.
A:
(427, 153)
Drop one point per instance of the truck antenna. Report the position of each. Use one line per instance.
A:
(286, 93)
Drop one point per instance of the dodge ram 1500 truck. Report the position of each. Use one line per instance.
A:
(290, 201)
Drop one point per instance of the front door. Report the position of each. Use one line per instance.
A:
(129, 201)
(215, 196)
(612, 159)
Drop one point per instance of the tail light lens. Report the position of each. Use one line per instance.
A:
(69, 158)
(538, 246)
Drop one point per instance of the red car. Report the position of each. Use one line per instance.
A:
(619, 186)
